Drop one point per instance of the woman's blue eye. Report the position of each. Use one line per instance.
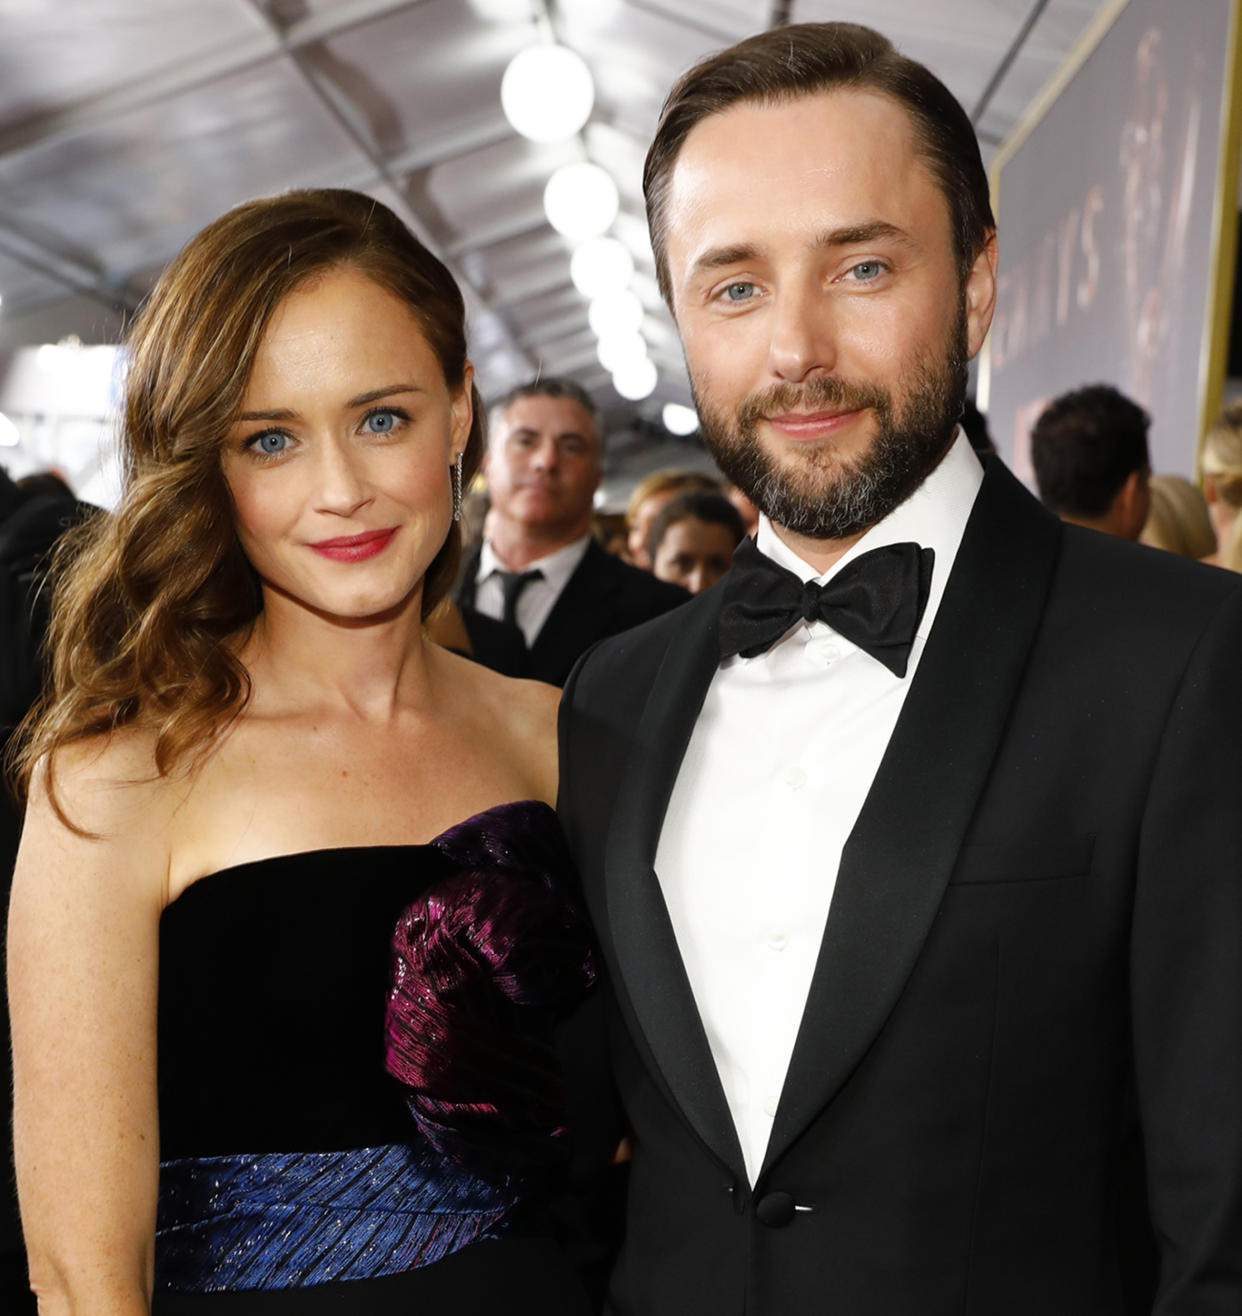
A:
(381, 422)
(271, 443)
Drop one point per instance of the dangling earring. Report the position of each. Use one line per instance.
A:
(456, 469)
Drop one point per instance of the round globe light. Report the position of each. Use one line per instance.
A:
(547, 93)
(636, 379)
(679, 420)
(615, 313)
(616, 350)
(601, 265)
(581, 200)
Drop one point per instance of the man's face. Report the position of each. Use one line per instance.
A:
(543, 466)
(825, 325)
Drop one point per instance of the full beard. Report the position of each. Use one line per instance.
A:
(822, 495)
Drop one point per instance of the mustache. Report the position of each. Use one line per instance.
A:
(818, 394)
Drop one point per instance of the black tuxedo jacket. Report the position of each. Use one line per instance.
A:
(603, 597)
(496, 644)
(1031, 970)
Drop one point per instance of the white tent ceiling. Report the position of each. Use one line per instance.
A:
(125, 125)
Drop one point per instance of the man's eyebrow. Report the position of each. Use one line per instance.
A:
(853, 235)
(850, 235)
(715, 258)
(374, 395)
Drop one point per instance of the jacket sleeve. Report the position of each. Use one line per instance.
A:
(1186, 981)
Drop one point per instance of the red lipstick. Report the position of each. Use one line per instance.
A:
(355, 548)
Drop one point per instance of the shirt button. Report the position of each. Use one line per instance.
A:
(831, 654)
(777, 941)
(769, 1106)
(794, 777)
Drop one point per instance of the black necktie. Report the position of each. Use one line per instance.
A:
(512, 583)
(875, 602)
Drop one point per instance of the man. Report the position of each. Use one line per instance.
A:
(539, 566)
(1092, 465)
(920, 923)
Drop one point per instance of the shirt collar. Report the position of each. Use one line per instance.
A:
(557, 567)
(934, 516)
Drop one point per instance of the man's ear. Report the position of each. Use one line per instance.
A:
(1128, 510)
(980, 295)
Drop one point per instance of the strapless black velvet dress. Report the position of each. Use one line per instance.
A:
(360, 1105)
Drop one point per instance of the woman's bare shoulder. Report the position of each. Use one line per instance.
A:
(527, 706)
(518, 718)
(106, 785)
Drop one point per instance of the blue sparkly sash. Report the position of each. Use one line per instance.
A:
(290, 1219)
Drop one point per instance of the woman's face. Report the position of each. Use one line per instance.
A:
(694, 553)
(644, 515)
(338, 460)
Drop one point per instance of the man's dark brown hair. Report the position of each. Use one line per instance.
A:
(802, 59)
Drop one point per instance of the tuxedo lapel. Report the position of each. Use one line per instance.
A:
(897, 860)
(571, 624)
(648, 959)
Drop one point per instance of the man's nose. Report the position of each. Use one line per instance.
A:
(804, 340)
(547, 455)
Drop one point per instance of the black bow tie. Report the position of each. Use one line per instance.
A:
(875, 602)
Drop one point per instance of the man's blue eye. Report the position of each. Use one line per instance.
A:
(868, 269)
(381, 422)
(271, 443)
(739, 292)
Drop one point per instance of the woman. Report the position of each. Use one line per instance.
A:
(692, 539)
(246, 889)
(650, 494)
(1222, 485)
(1178, 520)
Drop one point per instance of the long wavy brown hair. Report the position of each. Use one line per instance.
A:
(148, 603)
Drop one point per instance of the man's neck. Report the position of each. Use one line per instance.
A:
(818, 553)
(823, 554)
(1108, 524)
(517, 546)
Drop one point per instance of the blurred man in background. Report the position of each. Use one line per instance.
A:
(538, 567)
(1092, 464)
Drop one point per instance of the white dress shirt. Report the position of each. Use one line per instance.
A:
(539, 597)
(774, 778)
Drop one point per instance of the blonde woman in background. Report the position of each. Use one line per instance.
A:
(1222, 485)
(1178, 520)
